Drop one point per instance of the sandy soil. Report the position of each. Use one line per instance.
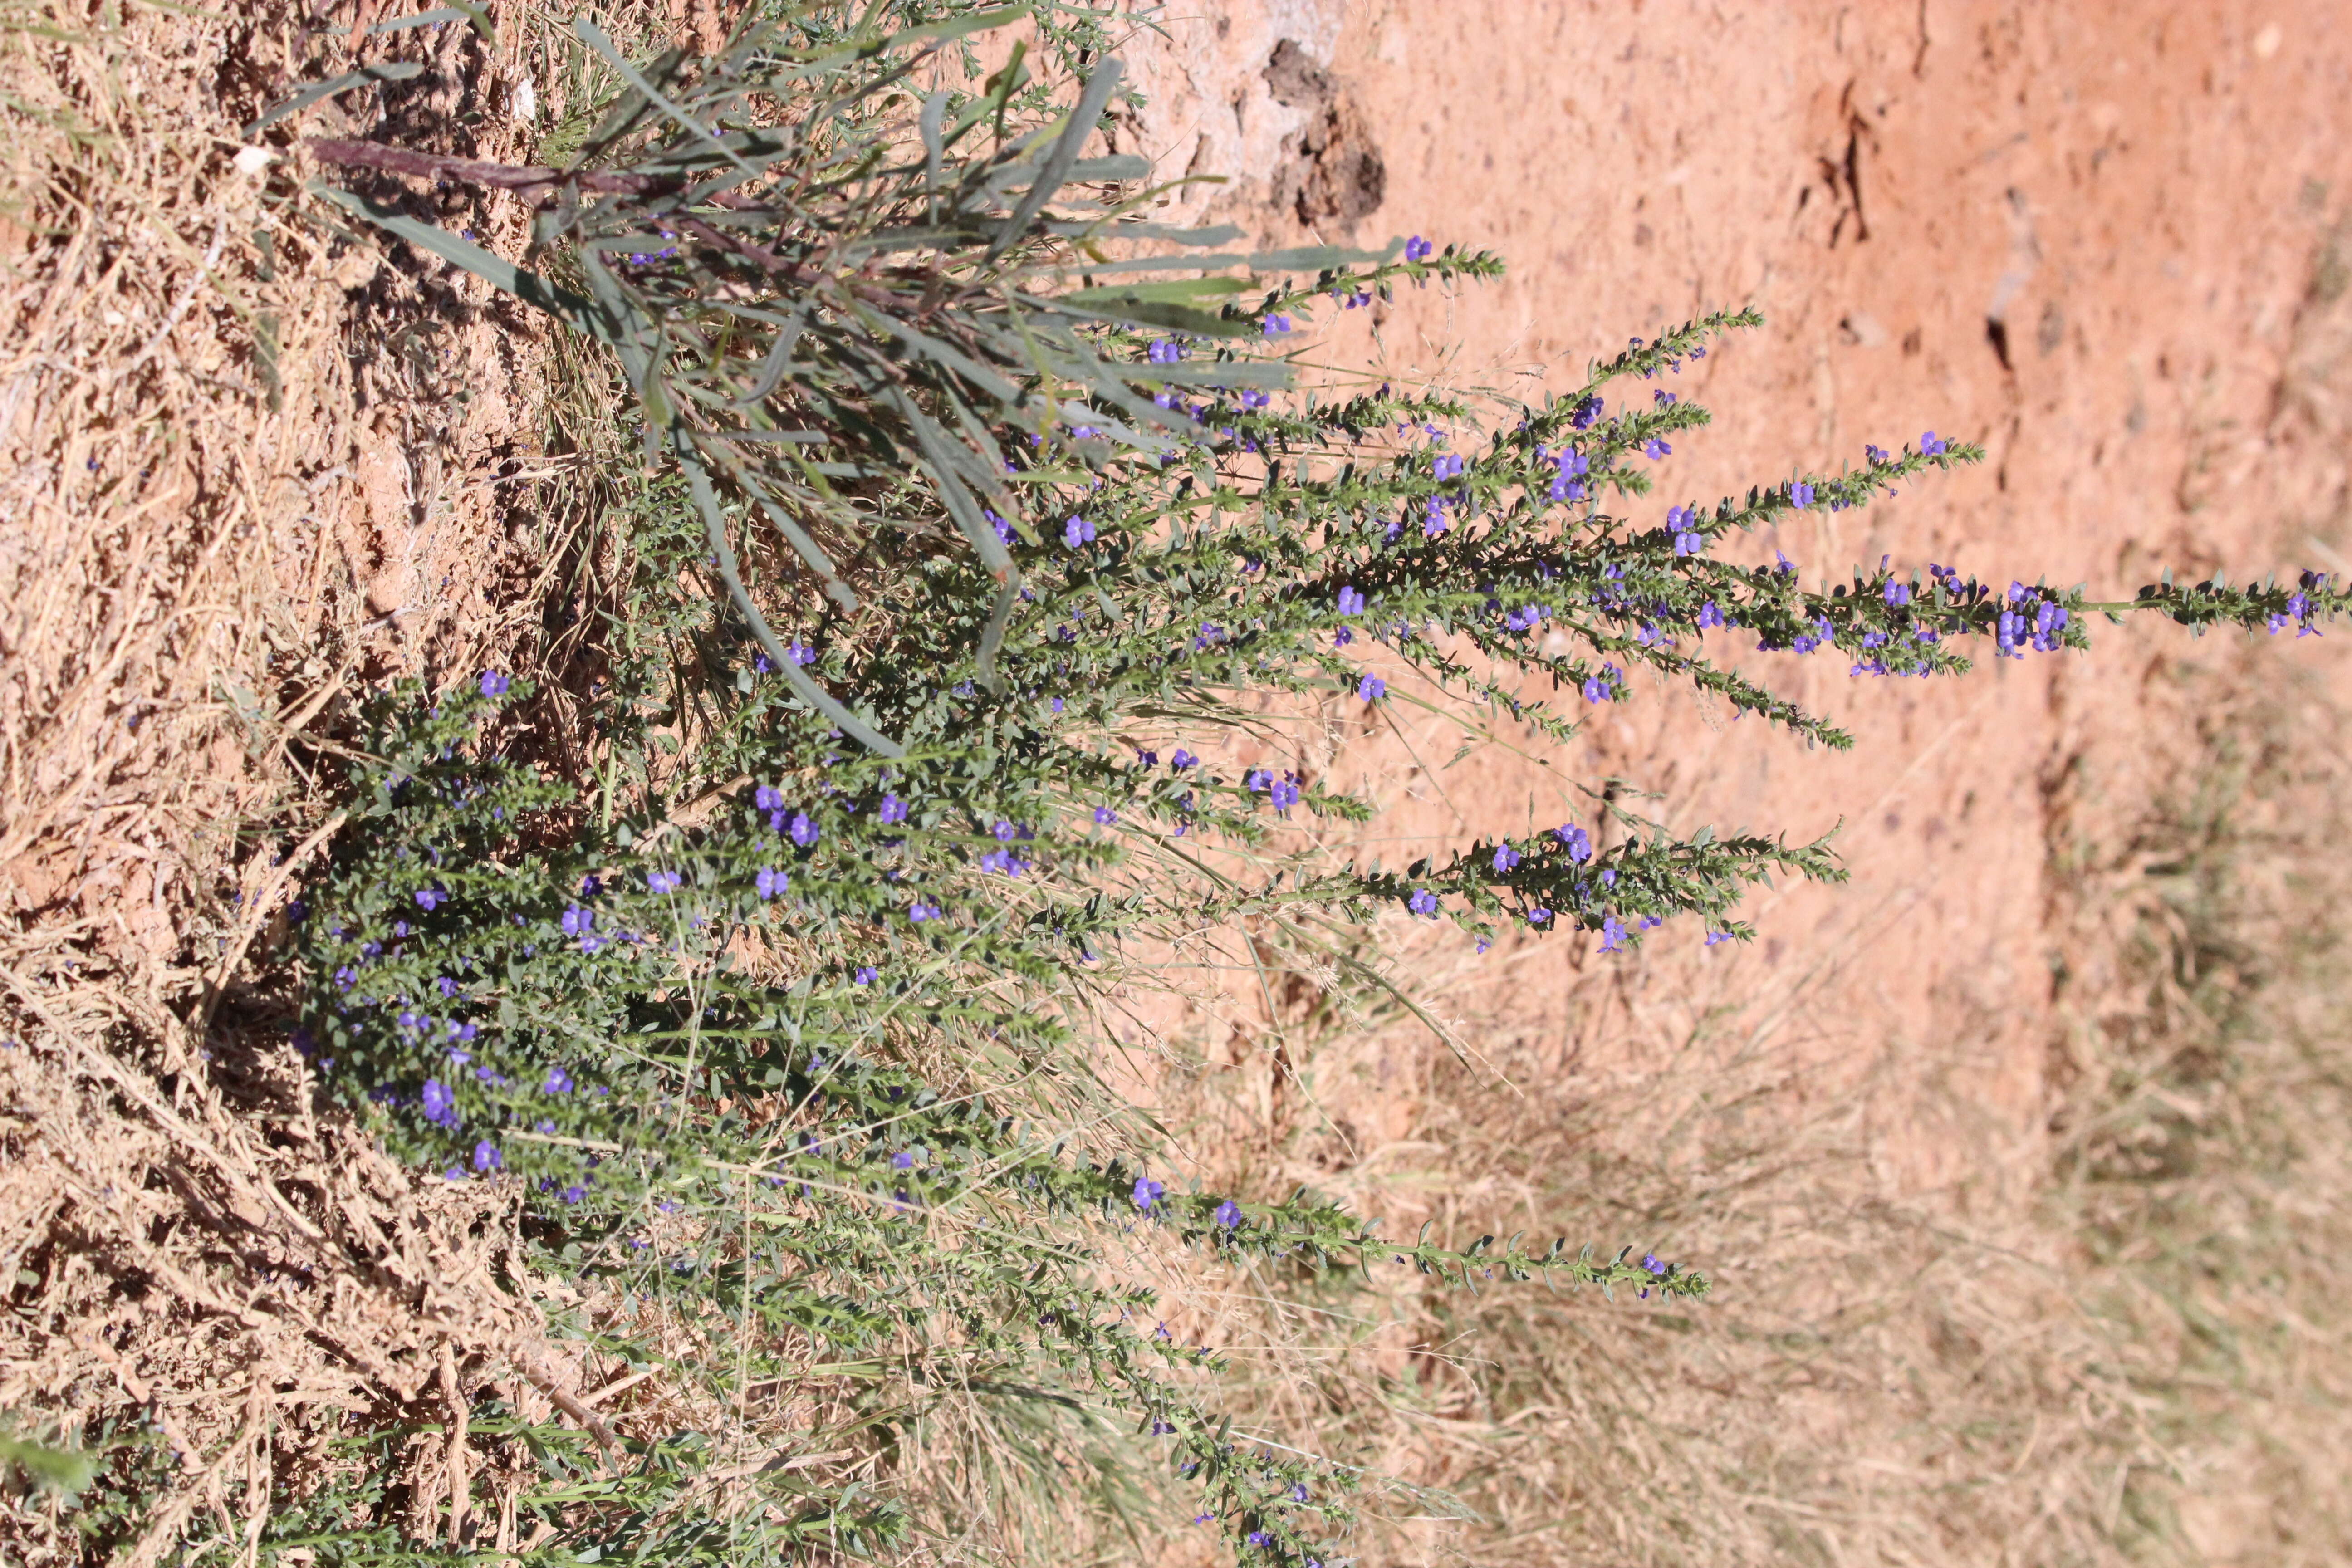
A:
(2089, 243)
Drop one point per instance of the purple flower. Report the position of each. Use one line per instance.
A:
(1650, 1261)
(904, 1159)
(1602, 688)
(922, 911)
(1423, 902)
(578, 921)
(1931, 444)
(1105, 816)
(1715, 936)
(440, 1103)
(494, 684)
(1446, 465)
(892, 810)
(665, 881)
(1506, 858)
(1709, 614)
(770, 882)
(1899, 594)
(1351, 603)
(1077, 531)
(803, 831)
(485, 1157)
(1575, 841)
(1229, 1218)
(767, 797)
(1147, 1192)
(1276, 326)
(1612, 935)
(865, 975)
(1538, 915)
(1418, 250)
(1583, 416)
(1259, 1538)
(1654, 448)
(1183, 760)
(1283, 794)
(1801, 494)
(1299, 1492)
(1165, 350)
(558, 1082)
(430, 899)
(1372, 689)
(1875, 454)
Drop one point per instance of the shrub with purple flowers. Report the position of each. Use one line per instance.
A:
(766, 1011)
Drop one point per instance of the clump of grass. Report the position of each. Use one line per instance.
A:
(2122, 1346)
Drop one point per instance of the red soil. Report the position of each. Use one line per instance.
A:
(2090, 241)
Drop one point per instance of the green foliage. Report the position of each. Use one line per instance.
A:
(61, 1472)
(776, 1011)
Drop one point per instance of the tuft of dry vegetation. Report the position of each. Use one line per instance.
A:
(246, 468)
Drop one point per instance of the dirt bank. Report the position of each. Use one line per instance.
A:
(2092, 245)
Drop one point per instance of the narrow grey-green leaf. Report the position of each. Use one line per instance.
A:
(811, 553)
(495, 270)
(773, 368)
(395, 70)
(935, 109)
(1083, 121)
(714, 527)
(593, 37)
(1220, 233)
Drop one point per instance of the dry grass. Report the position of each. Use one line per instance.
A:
(246, 467)
(2116, 1338)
